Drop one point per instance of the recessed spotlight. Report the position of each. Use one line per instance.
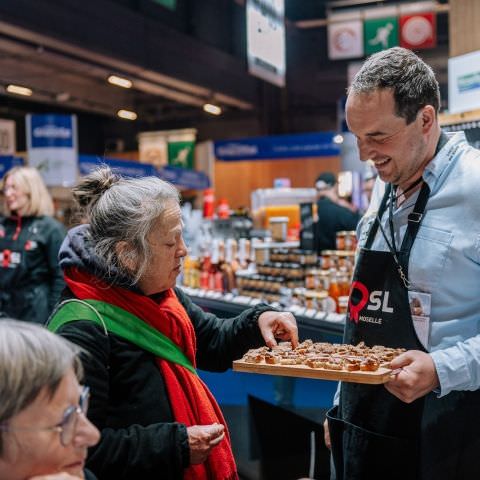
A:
(212, 109)
(127, 114)
(19, 90)
(120, 81)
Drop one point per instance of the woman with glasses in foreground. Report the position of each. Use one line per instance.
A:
(44, 431)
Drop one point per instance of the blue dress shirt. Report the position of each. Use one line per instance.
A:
(445, 259)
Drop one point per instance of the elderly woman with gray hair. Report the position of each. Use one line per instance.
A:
(44, 433)
(145, 337)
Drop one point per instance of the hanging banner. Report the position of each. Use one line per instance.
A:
(418, 25)
(180, 153)
(464, 82)
(152, 147)
(345, 36)
(266, 40)
(380, 29)
(7, 137)
(53, 147)
(278, 146)
(125, 168)
(418, 31)
(9, 161)
(181, 177)
(168, 147)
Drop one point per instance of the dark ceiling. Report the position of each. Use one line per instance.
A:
(64, 50)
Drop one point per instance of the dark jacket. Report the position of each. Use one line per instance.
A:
(129, 402)
(89, 475)
(332, 218)
(30, 278)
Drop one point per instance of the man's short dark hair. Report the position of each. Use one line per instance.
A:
(325, 180)
(412, 81)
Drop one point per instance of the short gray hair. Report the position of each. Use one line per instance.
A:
(31, 359)
(123, 210)
(412, 81)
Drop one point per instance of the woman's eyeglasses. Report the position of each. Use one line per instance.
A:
(68, 425)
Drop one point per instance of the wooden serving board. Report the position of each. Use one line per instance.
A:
(382, 375)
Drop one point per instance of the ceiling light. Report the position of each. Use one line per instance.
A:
(17, 89)
(127, 114)
(62, 97)
(120, 81)
(211, 108)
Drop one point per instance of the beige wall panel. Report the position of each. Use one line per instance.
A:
(464, 31)
(236, 180)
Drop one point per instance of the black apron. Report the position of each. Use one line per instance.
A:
(375, 435)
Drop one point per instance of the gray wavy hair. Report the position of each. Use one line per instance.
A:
(412, 81)
(31, 359)
(123, 210)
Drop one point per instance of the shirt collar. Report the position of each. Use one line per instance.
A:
(435, 169)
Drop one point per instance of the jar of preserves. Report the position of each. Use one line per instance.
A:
(341, 238)
(326, 259)
(261, 254)
(342, 304)
(350, 240)
(279, 227)
(311, 279)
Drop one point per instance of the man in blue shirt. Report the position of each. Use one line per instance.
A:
(420, 255)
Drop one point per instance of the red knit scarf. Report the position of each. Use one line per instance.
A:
(192, 403)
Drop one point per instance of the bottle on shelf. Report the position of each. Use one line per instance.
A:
(334, 288)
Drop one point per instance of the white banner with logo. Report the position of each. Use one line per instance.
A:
(168, 147)
(53, 147)
(345, 36)
(7, 137)
(266, 40)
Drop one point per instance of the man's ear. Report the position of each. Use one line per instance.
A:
(126, 256)
(428, 118)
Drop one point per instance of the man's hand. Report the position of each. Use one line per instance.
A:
(417, 377)
(280, 325)
(202, 439)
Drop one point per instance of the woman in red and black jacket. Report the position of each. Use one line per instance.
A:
(30, 279)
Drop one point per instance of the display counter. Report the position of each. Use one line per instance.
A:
(311, 323)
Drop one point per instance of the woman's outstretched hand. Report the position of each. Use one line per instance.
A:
(281, 325)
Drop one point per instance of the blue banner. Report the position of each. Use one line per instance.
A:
(181, 177)
(185, 178)
(51, 130)
(7, 162)
(319, 144)
(88, 163)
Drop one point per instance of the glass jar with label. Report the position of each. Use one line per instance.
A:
(278, 227)
(341, 240)
(342, 304)
(351, 240)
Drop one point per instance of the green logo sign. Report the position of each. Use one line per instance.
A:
(180, 154)
(380, 34)
(171, 4)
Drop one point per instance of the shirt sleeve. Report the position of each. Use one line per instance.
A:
(458, 366)
(222, 340)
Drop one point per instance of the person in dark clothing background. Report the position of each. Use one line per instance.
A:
(333, 215)
(30, 279)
